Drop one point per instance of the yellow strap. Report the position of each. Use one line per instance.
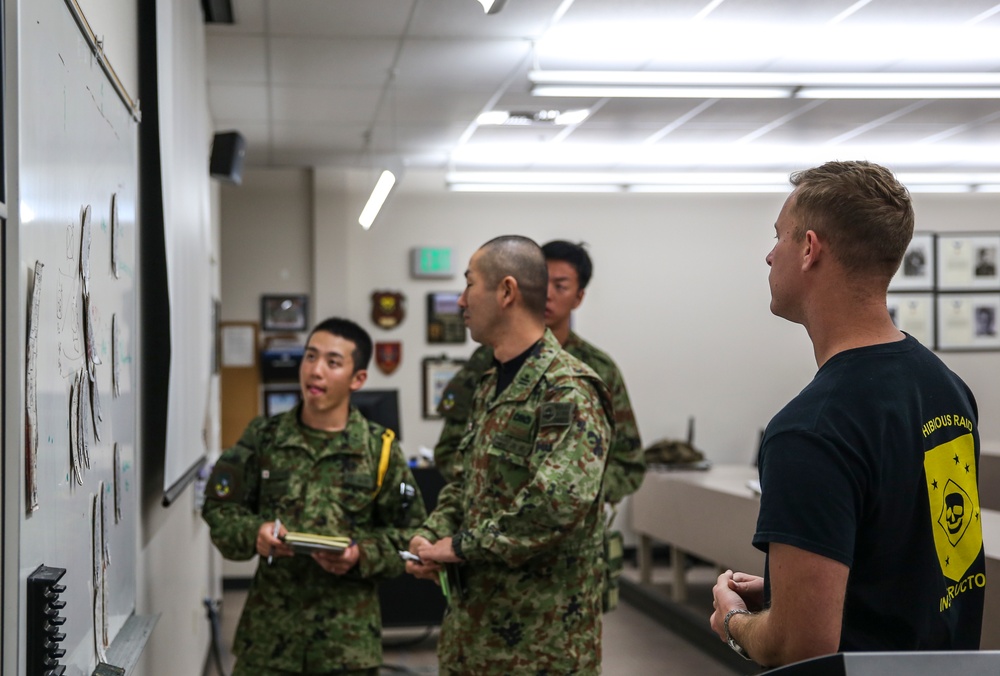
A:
(383, 463)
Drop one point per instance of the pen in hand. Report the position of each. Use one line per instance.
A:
(277, 529)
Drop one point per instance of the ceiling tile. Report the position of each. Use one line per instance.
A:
(344, 18)
(485, 64)
(341, 105)
(331, 62)
(464, 19)
(247, 103)
(236, 59)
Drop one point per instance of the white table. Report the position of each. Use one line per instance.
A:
(991, 613)
(711, 514)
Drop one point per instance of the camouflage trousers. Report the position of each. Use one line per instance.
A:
(540, 619)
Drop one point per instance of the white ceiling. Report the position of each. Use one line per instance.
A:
(356, 82)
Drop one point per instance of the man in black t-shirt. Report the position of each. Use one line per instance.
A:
(869, 508)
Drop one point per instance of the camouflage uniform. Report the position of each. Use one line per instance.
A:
(298, 618)
(626, 464)
(526, 515)
(456, 409)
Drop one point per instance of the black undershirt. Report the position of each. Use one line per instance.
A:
(507, 370)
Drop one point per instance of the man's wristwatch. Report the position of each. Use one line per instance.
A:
(737, 648)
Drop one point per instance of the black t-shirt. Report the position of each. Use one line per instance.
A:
(875, 464)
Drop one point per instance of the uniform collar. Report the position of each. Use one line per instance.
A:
(319, 443)
(540, 357)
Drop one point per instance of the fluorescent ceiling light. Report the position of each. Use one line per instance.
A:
(708, 85)
(687, 182)
(709, 188)
(607, 91)
(623, 41)
(377, 199)
(492, 6)
(755, 79)
(722, 156)
(896, 93)
(533, 187)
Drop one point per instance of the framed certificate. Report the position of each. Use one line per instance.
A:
(913, 313)
(968, 321)
(438, 372)
(968, 262)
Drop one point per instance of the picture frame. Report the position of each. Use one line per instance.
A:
(914, 314)
(284, 312)
(437, 373)
(968, 321)
(916, 272)
(444, 318)
(281, 399)
(968, 262)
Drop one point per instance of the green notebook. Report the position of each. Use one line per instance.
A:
(307, 543)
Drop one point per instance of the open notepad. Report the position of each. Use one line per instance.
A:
(307, 543)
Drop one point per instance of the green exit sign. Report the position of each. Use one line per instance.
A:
(431, 262)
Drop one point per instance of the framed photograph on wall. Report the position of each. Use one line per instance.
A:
(444, 318)
(968, 321)
(916, 273)
(914, 314)
(288, 312)
(968, 262)
(280, 399)
(437, 373)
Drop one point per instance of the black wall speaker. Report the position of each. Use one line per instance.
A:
(228, 149)
(218, 11)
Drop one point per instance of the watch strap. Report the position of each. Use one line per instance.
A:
(737, 648)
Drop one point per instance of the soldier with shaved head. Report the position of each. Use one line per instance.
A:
(521, 527)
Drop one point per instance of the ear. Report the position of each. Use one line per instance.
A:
(813, 249)
(507, 291)
(579, 298)
(358, 380)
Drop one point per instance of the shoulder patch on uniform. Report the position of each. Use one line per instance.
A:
(554, 414)
(226, 482)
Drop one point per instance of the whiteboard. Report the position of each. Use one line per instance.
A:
(77, 149)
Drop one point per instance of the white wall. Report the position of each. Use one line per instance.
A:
(269, 214)
(679, 296)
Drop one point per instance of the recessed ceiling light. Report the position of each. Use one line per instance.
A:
(492, 117)
(529, 117)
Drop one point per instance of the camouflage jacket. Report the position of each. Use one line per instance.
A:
(626, 463)
(298, 617)
(526, 514)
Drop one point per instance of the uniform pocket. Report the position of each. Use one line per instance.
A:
(355, 496)
(275, 487)
(510, 463)
(505, 444)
